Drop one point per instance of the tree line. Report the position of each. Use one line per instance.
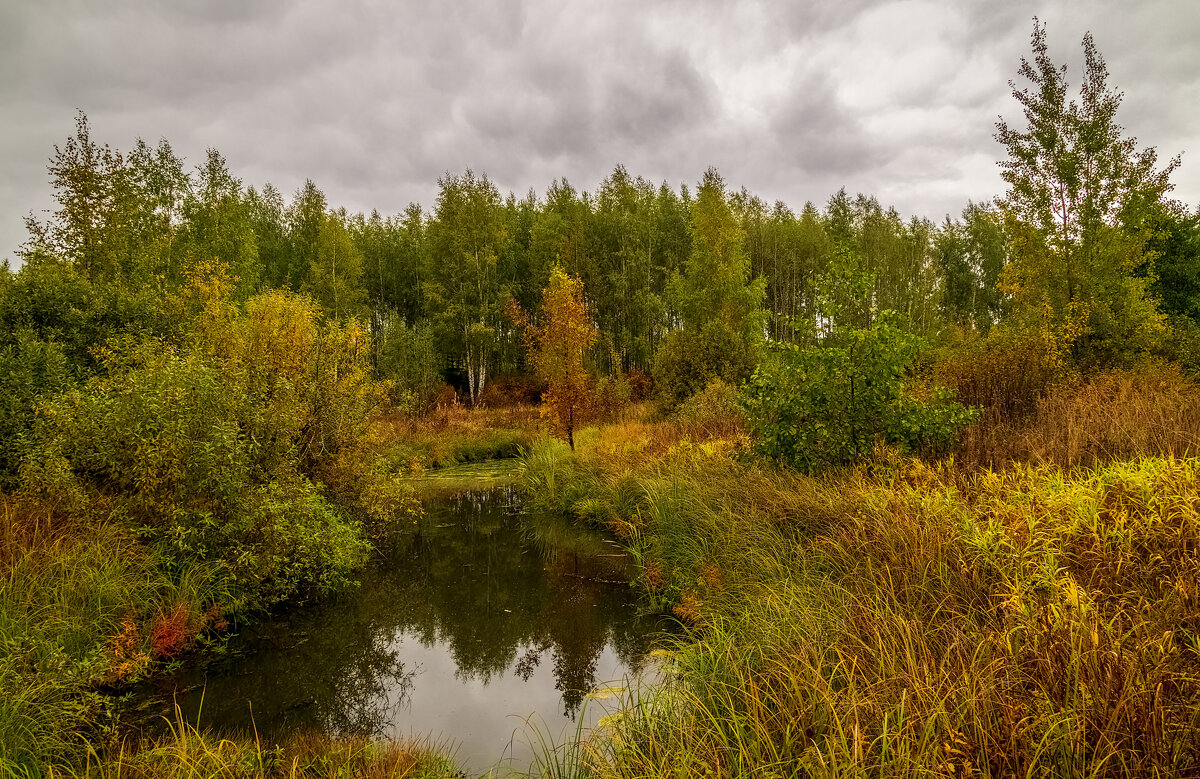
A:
(681, 284)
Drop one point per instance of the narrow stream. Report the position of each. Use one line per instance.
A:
(465, 630)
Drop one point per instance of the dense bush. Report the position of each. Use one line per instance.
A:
(712, 412)
(1183, 344)
(688, 360)
(819, 406)
(226, 449)
(29, 368)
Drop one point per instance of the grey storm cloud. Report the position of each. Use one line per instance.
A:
(376, 100)
(817, 135)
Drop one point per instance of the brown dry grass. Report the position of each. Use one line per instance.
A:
(459, 419)
(1153, 409)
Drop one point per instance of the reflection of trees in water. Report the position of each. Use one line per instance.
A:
(469, 578)
(494, 586)
(366, 693)
(332, 673)
(493, 595)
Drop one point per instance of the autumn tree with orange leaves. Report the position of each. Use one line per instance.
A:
(556, 345)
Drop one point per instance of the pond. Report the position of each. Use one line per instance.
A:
(480, 620)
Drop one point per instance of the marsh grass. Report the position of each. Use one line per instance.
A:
(901, 618)
(1150, 409)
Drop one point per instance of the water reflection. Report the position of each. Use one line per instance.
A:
(463, 622)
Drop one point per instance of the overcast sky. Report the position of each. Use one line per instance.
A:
(375, 100)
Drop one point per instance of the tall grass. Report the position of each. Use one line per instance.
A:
(188, 752)
(907, 619)
(1152, 409)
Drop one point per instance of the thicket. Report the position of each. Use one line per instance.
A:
(210, 458)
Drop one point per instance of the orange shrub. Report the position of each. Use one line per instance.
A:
(170, 633)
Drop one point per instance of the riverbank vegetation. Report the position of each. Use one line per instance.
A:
(900, 616)
(925, 494)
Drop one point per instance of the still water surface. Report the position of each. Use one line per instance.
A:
(465, 629)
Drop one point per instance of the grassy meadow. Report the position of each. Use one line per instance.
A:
(1024, 606)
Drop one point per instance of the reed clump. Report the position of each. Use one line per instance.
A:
(189, 752)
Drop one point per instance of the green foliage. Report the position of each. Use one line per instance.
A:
(787, 252)
(970, 256)
(218, 227)
(214, 450)
(392, 261)
(29, 369)
(1183, 344)
(302, 221)
(464, 289)
(92, 189)
(815, 407)
(409, 358)
(633, 236)
(688, 360)
(1175, 266)
(928, 425)
(163, 443)
(335, 275)
(52, 301)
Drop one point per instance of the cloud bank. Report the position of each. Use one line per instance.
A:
(376, 100)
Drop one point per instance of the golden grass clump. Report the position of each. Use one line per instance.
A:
(187, 751)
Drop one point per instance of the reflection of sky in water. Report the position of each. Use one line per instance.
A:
(470, 711)
(462, 632)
